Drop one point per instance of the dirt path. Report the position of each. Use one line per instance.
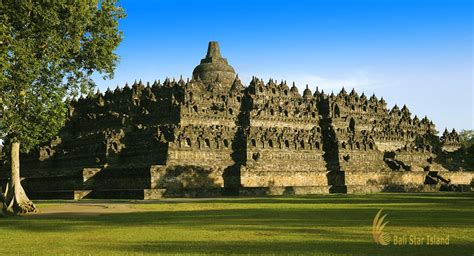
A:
(99, 207)
(82, 209)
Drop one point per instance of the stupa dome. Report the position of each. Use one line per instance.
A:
(214, 68)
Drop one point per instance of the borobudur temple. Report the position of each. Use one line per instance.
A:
(213, 136)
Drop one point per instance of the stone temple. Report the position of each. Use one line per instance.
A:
(212, 136)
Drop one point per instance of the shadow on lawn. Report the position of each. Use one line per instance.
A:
(319, 247)
(378, 198)
(254, 218)
(309, 223)
(335, 199)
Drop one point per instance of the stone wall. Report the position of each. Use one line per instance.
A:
(211, 135)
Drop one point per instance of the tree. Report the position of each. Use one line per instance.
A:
(48, 51)
(467, 141)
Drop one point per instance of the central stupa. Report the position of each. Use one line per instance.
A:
(214, 68)
(213, 136)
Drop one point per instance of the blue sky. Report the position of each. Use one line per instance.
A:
(418, 52)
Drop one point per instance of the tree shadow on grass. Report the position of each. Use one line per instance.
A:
(446, 200)
(308, 247)
(311, 228)
(333, 199)
(278, 219)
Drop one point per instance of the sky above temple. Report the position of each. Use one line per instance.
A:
(414, 52)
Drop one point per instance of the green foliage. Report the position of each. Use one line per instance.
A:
(467, 138)
(48, 51)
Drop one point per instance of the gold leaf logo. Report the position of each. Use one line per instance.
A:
(380, 237)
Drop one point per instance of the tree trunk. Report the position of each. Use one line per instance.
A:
(15, 198)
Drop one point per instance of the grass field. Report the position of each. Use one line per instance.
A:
(316, 225)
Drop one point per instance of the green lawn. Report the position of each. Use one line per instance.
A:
(322, 225)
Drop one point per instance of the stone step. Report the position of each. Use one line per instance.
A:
(284, 190)
(110, 183)
(125, 178)
(338, 189)
(65, 183)
(194, 192)
(153, 193)
(80, 194)
(362, 189)
(51, 195)
(140, 194)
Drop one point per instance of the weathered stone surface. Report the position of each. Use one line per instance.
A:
(214, 69)
(212, 135)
